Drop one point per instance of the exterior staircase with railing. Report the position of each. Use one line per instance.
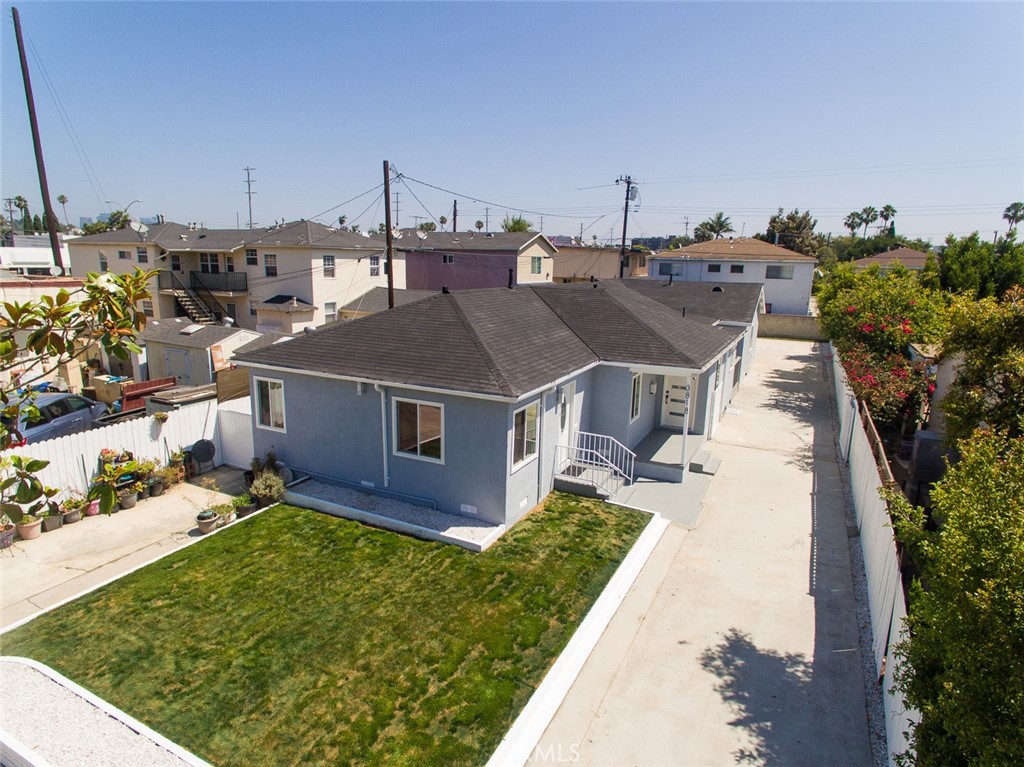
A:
(196, 308)
(597, 465)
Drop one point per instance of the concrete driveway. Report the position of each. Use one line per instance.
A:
(738, 643)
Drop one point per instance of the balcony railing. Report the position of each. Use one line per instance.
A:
(222, 282)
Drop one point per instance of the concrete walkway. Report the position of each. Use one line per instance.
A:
(738, 642)
(39, 573)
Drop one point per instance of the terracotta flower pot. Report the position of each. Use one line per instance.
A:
(29, 530)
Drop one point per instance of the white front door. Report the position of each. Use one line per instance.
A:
(566, 414)
(675, 404)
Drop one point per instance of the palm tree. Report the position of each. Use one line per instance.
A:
(868, 216)
(479, 225)
(1014, 214)
(63, 200)
(515, 224)
(22, 204)
(718, 225)
(442, 221)
(852, 222)
(887, 213)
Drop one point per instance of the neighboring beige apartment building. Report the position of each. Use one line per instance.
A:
(573, 263)
(281, 278)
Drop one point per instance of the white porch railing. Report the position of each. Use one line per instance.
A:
(617, 454)
(587, 466)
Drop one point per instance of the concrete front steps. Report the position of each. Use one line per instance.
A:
(704, 463)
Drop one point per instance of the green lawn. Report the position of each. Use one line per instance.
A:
(298, 638)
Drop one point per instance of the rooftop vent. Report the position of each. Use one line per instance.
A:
(717, 289)
(190, 329)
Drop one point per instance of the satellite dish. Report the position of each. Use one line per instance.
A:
(396, 233)
(421, 235)
(365, 234)
(139, 227)
(56, 271)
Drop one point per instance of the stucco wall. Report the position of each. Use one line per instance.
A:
(426, 270)
(785, 296)
(610, 405)
(798, 326)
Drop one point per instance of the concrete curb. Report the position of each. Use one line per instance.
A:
(522, 737)
(129, 721)
(129, 571)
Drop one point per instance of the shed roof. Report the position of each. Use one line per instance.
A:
(172, 332)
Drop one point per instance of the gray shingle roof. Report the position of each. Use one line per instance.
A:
(169, 331)
(376, 299)
(178, 237)
(264, 340)
(501, 342)
(729, 301)
(736, 249)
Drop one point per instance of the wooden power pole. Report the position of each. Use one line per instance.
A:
(628, 180)
(389, 236)
(51, 218)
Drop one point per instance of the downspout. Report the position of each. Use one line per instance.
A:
(383, 431)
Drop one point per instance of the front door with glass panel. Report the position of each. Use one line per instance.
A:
(675, 403)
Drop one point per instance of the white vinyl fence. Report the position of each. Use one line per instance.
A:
(234, 419)
(885, 591)
(74, 459)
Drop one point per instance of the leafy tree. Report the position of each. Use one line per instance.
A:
(715, 227)
(930, 276)
(514, 224)
(479, 225)
(968, 266)
(868, 216)
(794, 230)
(63, 200)
(680, 241)
(428, 226)
(1013, 214)
(39, 335)
(852, 222)
(962, 663)
(887, 214)
(37, 224)
(988, 388)
(115, 221)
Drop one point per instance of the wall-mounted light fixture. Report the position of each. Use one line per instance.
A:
(654, 387)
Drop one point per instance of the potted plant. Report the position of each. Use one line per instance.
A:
(168, 475)
(207, 520)
(72, 508)
(7, 531)
(107, 487)
(258, 465)
(23, 497)
(225, 513)
(52, 518)
(177, 462)
(128, 495)
(244, 504)
(161, 416)
(267, 487)
(156, 485)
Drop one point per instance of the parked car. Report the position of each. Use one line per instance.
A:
(59, 415)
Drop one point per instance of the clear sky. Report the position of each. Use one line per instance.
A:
(537, 107)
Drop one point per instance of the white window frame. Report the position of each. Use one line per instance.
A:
(142, 254)
(104, 266)
(124, 255)
(229, 264)
(209, 263)
(636, 396)
(251, 258)
(257, 380)
(375, 266)
(147, 307)
(395, 401)
(175, 262)
(785, 271)
(536, 264)
(527, 457)
(328, 262)
(269, 262)
(330, 311)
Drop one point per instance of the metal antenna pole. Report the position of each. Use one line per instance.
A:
(389, 235)
(248, 190)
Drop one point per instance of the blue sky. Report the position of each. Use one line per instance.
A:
(726, 106)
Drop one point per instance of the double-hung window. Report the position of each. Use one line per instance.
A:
(124, 255)
(535, 263)
(328, 266)
(175, 262)
(250, 257)
(375, 266)
(635, 397)
(330, 311)
(209, 263)
(270, 404)
(142, 254)
(419, 430)
(524, 434)
(104, 266)
(229, 264)
(270, 264)
(447, 258)
(147, 307)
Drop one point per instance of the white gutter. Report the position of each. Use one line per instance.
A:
(383, 431)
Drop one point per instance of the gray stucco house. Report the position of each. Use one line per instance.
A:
(479, 400)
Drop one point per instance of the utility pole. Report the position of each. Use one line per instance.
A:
(51, 218)
(542, 224)
(389, 235)
(630, 195)
(396, 206)
(487, 219)
(248, 190)
(455, 216)
(9, 202)
(686, 220)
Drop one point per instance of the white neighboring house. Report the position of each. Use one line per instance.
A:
(31, 254)
(786, 275)
(209, 274)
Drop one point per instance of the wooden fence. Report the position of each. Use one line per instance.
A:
(74, 459)
(885, 590)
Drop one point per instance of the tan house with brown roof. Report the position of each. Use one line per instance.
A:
(573, 263)
(914, 260)
(786, 275)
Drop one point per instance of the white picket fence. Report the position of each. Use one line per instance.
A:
(74, 459)
(885, 592)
